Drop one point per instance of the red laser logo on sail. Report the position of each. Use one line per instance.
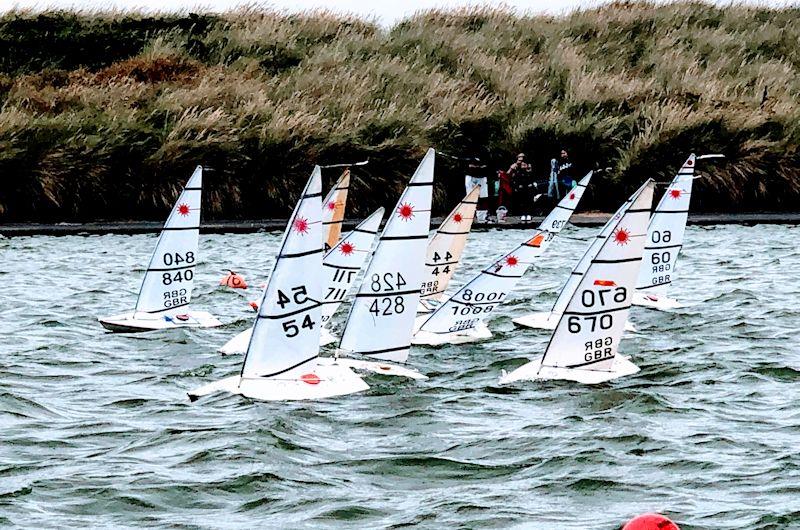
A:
(511, 261)
(347, 248)
(622, 236)
(331, 205)
(406, 211)
(183, 209)
(457, 218)
(571, 196)
(301, 225)
(675, 194)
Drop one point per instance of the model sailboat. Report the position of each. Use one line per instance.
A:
(333, 210)
(340, 268)
(549, 319)
(166, 291)
(381, 318)
(584, 346)
(281, 358)
(445, 249)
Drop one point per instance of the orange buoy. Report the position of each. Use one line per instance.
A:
(650, 521)
(234, 281)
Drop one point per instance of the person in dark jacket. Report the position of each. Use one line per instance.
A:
(560, 172)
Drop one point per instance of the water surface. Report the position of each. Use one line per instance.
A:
(97, 430)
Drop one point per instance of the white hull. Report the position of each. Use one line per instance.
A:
(333, 380)
(547, 320)
(379, 367)
(662, 303)
(238, 344)
(478, 333)
(533, 371)
(134, 322)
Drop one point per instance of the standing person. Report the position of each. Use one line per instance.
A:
(560, 170)
(521, 175)
(476, 176)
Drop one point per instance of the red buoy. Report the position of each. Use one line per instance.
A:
(234, 281)
(650, 521)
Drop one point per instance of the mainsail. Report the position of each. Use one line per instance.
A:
(167, 285)
(381, 318)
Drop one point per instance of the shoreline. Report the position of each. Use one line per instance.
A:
(243, 227)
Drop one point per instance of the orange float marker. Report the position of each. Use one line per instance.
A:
(650, 521)
(234, 281)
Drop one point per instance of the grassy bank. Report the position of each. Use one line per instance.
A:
(103, 115)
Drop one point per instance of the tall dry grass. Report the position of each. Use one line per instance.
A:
(103, 115)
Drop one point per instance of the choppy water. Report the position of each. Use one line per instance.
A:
(97, 430)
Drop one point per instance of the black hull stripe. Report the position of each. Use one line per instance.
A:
(469, 202)
(292, 313)
(387, 293)
(451, 233)
(666, 246)
(173, 268)
(387, 350)
(340, 221)
(603, 312)
(301, 254)
(361, 230)
(170, 228)
(627, 260)
(419, 184)
(671, 211)
(501, 275)
(331, 265)
(565, 208)
(192, 189)
(312, 195)
(588, 364)
(301, 363)
(401, 238)
(638, 210)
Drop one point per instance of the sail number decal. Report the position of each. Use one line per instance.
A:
(176, 258)
(590, 299)
(388, 283)
(598, 349)
(297, 296)
(430, 287)
(661, 236)
(175, 298)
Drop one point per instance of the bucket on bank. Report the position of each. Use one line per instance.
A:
(502, 213)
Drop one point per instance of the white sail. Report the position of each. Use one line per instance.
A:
(488, 289)
(594, 246)
(333, 210)
(167, 284)
(558, 217)
(285, 338)
(471, 304)
(446, 246)
(665, 233)
(381, 318)
(343, 262)
(584, 345)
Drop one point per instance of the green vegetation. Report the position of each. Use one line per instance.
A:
(104, 115)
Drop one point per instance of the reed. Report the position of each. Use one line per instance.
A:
(104, 114)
